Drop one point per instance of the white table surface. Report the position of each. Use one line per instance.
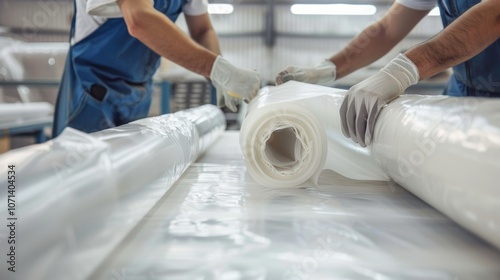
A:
(215, 222)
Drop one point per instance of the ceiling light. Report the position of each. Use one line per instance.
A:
(332, 9)
(220, 9)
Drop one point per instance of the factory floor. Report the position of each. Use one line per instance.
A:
(215, 222)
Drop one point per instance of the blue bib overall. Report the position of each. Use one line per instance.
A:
(480, 75)
(107, 79)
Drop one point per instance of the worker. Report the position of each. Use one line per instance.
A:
(469, 43)
(115, 50)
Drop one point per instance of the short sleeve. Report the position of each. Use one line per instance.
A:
(104, 8)
(195, 7)
(422, 5)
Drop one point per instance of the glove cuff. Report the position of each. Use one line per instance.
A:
(219, 73)
(327, 63)
(404, 70)
(328, 71)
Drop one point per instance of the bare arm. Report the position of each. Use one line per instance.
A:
(160, 34)
(377, 39)
(202, 31)
(467, 36)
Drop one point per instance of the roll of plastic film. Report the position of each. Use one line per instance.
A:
(61, 186)
(446, 150)
(209, 122)
(74, 187)
(12, 112)
(285, 145)
(153, 138)
(292, 133)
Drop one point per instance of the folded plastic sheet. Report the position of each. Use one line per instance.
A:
(80, 194)
(18, 112)
(218, 223)
(445, 150)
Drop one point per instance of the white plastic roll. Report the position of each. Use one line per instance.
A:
(445, 150)
(72, 190)
(18, 112)
(292, 133)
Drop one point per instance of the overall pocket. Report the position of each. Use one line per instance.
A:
(131, 106)
(91, 114)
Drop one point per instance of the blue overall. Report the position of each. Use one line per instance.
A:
(107, 79)
(480, 75)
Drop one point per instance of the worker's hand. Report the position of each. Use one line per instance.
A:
(233, 84)
(363, 101)
(322, 74)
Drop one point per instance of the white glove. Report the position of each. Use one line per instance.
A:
(233, 84)
(364, 101)
(322, 74)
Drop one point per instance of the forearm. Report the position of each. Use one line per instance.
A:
(161, 35)
(377, 39)
(201, 30)
(467, 36)
(363, 50)
(209, 41)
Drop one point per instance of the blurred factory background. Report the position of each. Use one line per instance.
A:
(265, 35)
(188, 196)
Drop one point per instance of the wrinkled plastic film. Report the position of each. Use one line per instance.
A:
(444, 150)
(207, 122)
(195, 130)
(292, 133)
(83, 193)
(62, 186)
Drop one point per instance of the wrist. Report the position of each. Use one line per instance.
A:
(209, 66)
(213, 68)
(217, 70)
(327, 72)
(326, 63)
(403, 70)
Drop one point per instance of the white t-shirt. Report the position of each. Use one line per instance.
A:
(93, 13)
(423, 5)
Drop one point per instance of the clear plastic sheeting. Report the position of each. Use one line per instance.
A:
(79, 195)
(216, 222)
(18, 112)
(179, 139)
(445, 150)
(205, 119)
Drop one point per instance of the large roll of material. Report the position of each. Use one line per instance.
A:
(80, 194)
(445, 150)
(292, 132)
(18, 112)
